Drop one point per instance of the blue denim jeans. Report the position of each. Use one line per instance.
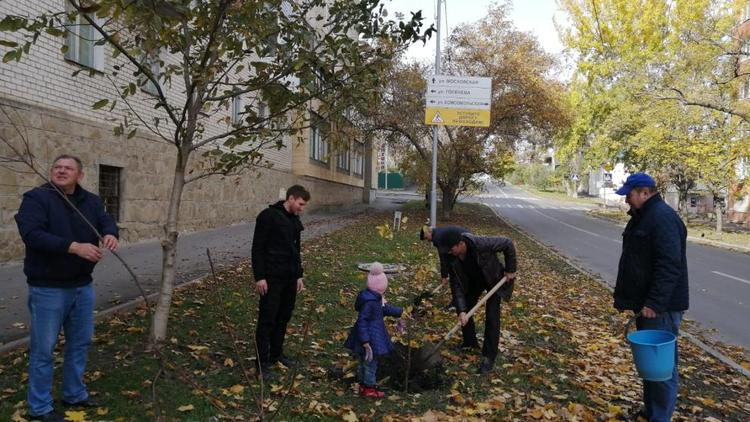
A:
(367, 371)
(51, 309)
(660, 397)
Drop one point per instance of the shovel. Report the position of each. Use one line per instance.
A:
(429, 350)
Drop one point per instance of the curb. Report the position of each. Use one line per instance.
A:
(693, 339)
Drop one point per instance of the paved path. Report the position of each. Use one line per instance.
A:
(719, 279)
(228, 245)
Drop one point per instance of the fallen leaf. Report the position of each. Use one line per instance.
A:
(350, 416)
(101, 411)
(186, 408)
(75, 416)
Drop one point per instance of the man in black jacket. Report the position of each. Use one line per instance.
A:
(61, 252)
(277, 267)
(652, 278)
(475, 268)
(436, 236)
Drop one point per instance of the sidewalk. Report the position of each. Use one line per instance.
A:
(228, 246)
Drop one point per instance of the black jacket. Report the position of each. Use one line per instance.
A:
(653, 265)
(276, 244)
(482, 249)
(438, 233)
(48, 225)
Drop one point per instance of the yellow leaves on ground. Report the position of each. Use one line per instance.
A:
(186, 408)
(229, 363)
(102, 411)
(75, 416)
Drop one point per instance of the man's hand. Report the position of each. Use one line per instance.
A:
(510, 276)
(648, 313)
(110, 242)
(368, 352)
(463, 319)
(86, 251)
(261, 287)
(300, 284)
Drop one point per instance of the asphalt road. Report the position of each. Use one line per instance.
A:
(719, 279)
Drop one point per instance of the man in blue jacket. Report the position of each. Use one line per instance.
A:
(652, 278)
(61, 252)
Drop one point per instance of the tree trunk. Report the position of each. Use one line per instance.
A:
(169, 251)
(682, 205)
(719, 216)
(448, 201)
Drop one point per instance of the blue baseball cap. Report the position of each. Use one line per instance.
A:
(636, 180)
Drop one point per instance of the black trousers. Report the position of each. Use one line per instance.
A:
(491, 323)
(274, 312)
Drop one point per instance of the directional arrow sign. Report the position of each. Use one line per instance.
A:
(458, 100)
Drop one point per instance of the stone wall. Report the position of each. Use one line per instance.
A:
(146, 167)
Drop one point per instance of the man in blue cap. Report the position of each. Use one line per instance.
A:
(652, 278)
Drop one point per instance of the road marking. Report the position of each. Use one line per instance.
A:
(732, 277)
(576, 228)
(505, 195)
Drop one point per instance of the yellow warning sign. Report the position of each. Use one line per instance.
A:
(456, 117)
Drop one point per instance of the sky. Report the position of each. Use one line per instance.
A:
(535, 16)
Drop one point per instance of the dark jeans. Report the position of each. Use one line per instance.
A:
(274, 312)
(660, 397)
(491, 323)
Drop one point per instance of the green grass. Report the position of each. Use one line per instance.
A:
(557, 349)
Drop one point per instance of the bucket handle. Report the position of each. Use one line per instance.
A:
(630, 322)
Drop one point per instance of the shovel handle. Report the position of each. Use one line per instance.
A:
(476, 307)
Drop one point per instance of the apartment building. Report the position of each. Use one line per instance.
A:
(738, 198)
(50, 109)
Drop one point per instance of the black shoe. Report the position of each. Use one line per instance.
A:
(48, 417)
(286, 361)
(485, 367)
(266, 372)
(87, 403)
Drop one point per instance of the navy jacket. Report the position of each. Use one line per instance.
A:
(653, 265)
(48, 225)
(483, 250)
(370, 326)
(276, 244)
(438, 233)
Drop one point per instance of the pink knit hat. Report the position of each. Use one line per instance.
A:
(376, 280)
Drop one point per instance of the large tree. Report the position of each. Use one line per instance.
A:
(288, 55)
(525, 97)
(659, 85)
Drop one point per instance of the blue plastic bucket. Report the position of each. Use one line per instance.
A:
(653, 352)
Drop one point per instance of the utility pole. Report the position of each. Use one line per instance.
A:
(433, 195)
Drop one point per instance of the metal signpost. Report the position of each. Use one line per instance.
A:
(453, 101)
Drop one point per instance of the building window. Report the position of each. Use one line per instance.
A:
(81, 42)
(263, 114)
(109, 189)
(238, 109)
(154, 65)
(358, 159)
(318, 144)
(343, 160)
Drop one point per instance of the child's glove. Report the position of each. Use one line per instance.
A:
(368, 352)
